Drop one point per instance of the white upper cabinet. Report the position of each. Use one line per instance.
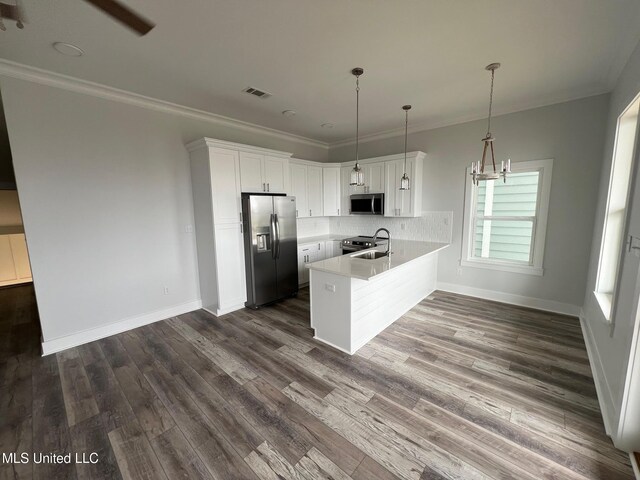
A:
(331, 191)
(404, 203)
(263, 173)
(225, 185)
(347, 190)
(314, 191)
(299, 188)
(251, 172)
(275, 174)
(374, 177)
(307, 187)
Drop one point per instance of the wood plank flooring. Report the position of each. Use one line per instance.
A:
(459, 388)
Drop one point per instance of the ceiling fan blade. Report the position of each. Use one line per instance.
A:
(124, 14)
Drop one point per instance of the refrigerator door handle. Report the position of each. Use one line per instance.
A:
(272, 225)
(277, 229)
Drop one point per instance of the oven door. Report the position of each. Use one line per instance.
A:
(347, 249)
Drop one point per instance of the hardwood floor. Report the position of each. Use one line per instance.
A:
(458, 388)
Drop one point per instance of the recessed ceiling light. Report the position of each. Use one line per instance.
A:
(289, 113)
(327, 125)
(68, 49)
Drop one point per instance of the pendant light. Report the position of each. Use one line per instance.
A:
(478, 168)
(404, 181)
(357, 175)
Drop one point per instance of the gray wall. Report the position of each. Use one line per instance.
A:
(105, 191)
(572, 134)
(612, 350)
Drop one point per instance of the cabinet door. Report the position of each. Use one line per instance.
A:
(275, 174)
(320, 253)
(20, 256)
(390, 191)
(232, 288)
(374, 177)
(406, 197)
(331, 191)
(346, 190)
(304, 257)
(299, 188)
(225, 185)
(314, 191)
(251, 172)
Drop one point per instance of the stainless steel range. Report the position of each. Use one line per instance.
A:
(355, 244)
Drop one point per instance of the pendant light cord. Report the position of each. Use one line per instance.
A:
(490, 105)
(406, 133)
(357, 114)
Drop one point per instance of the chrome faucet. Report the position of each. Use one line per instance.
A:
(375, 237)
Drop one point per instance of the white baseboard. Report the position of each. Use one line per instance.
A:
(223, 311)
(520, 300)
(334, 345)
(605, 397)
(18, 281)
(86, 336)
(634, 464)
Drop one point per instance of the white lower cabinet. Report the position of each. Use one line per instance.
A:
(314, 252)
(232, 286)
(333, 248)
(14, 260)
(304, 257)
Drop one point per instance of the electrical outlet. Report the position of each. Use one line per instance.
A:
(403, 226)
(329, 287)
(166, 290)
(188, 228)
(459, 271)
(446, 221)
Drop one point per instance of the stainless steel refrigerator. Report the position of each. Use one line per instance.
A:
(270, 247)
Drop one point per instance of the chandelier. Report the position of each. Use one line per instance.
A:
(478, 168)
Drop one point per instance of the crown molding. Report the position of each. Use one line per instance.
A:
(215, 143)
(552, 100)
(85, 87)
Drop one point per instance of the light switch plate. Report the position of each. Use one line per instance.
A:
(329, 287)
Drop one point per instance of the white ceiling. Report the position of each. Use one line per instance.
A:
(429, 53)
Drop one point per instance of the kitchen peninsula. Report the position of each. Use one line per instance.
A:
(355, 297)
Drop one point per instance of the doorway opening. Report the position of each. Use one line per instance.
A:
(20, 332)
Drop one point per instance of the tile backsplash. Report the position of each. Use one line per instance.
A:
(431, 226)
(311, 227)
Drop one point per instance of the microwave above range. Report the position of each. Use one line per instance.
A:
(367, 204)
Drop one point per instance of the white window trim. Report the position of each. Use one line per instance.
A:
(603, 299)
(539, 224)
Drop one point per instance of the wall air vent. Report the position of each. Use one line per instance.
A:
(257, 93)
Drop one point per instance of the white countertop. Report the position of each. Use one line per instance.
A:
(403, 251)
(322, 238)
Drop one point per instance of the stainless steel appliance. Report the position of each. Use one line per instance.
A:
(367, 204)
(355, 244)
(270, 247)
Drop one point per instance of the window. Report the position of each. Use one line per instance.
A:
(615, 216)
(506, 222)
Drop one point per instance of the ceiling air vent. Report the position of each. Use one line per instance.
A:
(257, 93)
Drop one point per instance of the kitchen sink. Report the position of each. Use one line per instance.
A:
(370, 255)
